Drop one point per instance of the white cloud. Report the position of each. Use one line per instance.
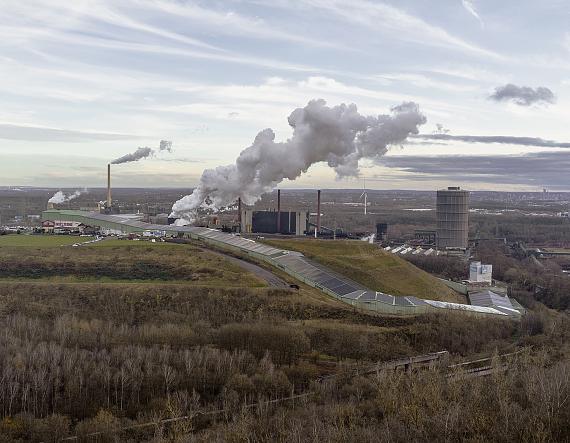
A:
(469, 6)
(84, 15)
(10, 131)
(233, 23)
(396, 23)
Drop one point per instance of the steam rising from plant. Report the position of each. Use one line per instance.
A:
(141, 153)
(338, 135)
(61, 197)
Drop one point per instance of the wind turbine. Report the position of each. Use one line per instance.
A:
(365, 195)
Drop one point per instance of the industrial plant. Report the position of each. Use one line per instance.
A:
(452, 230)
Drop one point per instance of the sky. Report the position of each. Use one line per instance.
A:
(84, 82)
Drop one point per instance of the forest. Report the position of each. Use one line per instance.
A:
(153, 359)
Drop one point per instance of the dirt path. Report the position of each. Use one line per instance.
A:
(271, 279)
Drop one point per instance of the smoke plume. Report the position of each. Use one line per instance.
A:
(60, 197)
(165, 145)
(141, 153)
(523, 95)
(338, 135)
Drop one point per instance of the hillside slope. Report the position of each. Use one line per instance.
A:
(372, 267)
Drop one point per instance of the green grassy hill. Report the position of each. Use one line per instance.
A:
(40, 241)
(372, 267)
(51, 258)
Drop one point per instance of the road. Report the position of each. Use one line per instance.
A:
(271, 279)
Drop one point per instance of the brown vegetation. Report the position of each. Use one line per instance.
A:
(154, 262)
(117, 358)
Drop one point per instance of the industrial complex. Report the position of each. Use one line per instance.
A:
(452, 232)
(293, 263)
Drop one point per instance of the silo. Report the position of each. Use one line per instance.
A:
(452, 213)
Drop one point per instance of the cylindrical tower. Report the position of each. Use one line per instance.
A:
(452, 213)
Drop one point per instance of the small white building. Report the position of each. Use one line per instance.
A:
(479, 273)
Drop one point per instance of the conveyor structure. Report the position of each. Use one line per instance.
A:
(293, 263)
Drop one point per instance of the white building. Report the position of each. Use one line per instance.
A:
(479, 273)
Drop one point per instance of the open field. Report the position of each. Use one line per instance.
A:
(115, 242)
(120, 261)
(40, 241)
(372, 267)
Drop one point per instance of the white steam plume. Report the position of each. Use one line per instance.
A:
(141, 153)
(60, 197)
(338, 135)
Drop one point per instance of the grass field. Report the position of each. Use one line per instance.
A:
(40, 241)
(372, 267)
(36, 258)
(115, 242)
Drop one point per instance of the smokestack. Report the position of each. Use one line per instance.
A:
(109, 200)
(239, 213)
(279, 211)
(318, 229)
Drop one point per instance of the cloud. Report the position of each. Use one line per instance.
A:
(43, 134)
(523, 95)
(233, 23)
(470, 8)
(539, 169)
(502, 139)
(88, 16)
(396, 22)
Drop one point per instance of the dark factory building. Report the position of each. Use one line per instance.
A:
(266, 222)
(381, 231)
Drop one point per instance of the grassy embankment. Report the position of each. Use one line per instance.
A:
(50, 258)
(40, 241)
(372, 267)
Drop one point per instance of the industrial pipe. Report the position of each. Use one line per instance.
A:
(318, 229)
(109, 200)
(239, 213)
(279, 211)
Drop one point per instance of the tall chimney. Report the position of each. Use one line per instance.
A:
(239, 213)
(318, 229)
(109, 200)
(279, 211)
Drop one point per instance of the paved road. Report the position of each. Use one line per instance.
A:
(271, 279)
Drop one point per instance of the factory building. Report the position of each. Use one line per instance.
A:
(381, 231)
(274, 222)
(452, 214)
(479, 273)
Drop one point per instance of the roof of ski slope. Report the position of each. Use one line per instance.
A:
(298, 264)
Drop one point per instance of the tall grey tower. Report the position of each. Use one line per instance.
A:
(452, 213)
